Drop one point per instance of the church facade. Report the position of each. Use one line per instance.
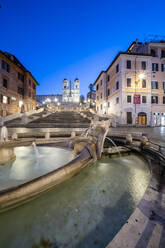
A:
(69, 94)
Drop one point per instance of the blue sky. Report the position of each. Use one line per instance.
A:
(57, 39)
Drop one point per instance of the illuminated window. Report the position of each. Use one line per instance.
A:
(4, 99)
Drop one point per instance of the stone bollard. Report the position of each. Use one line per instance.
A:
(144, 141)
(14, 136)
(47, 135)
(24, 119)
(73, 134)
(129, 138)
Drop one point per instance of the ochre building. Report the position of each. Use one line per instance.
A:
(17, 86)
(132, 89)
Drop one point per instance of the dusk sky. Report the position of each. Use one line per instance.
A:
(57, 39)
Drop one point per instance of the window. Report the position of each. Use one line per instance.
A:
(20, 91)
(129, 99)
(1, 98)
(128, 82)
(154, 99)
(143, 65)
(30, 83)
(153, 53)
(155, 67)
(108, 78)
(5, 66)
(20, 76)
(154, 84)
(34, 86)
(117, 85)
(117, 68)
(144, 99)
(164, 85)
(101, 95)
(97, 97)
(97, 87)
(163, 53)
(101, 82)
(8, 100)
(163, 99)
(108, 104)
(128, 64)
(163, 67)
(143, 83)
(108, 92)
(4, 99)
(101, 106)
(117, 100)
(5, 83)
(29, 94)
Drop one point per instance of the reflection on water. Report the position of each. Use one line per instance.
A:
(84, 212)
(28, 166)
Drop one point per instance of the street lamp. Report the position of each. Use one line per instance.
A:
(141, 76)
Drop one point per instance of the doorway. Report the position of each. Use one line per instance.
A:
(142, 118)
(129, 117)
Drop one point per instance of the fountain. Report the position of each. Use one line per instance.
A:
(83, 201)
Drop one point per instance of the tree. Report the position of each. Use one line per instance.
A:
(82, 98)
(91, 87)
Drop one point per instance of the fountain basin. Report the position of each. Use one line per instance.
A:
(17, 194)
(85, 211)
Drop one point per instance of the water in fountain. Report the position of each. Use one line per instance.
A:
(77, 212)
(114, 145)
(4, 134)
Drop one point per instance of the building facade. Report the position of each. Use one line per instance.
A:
(17, 86)
(69, 94)
(132, 89)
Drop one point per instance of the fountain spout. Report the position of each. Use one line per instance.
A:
(114, 145)
(35, 149)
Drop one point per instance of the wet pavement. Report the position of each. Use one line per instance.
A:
(155, 134)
